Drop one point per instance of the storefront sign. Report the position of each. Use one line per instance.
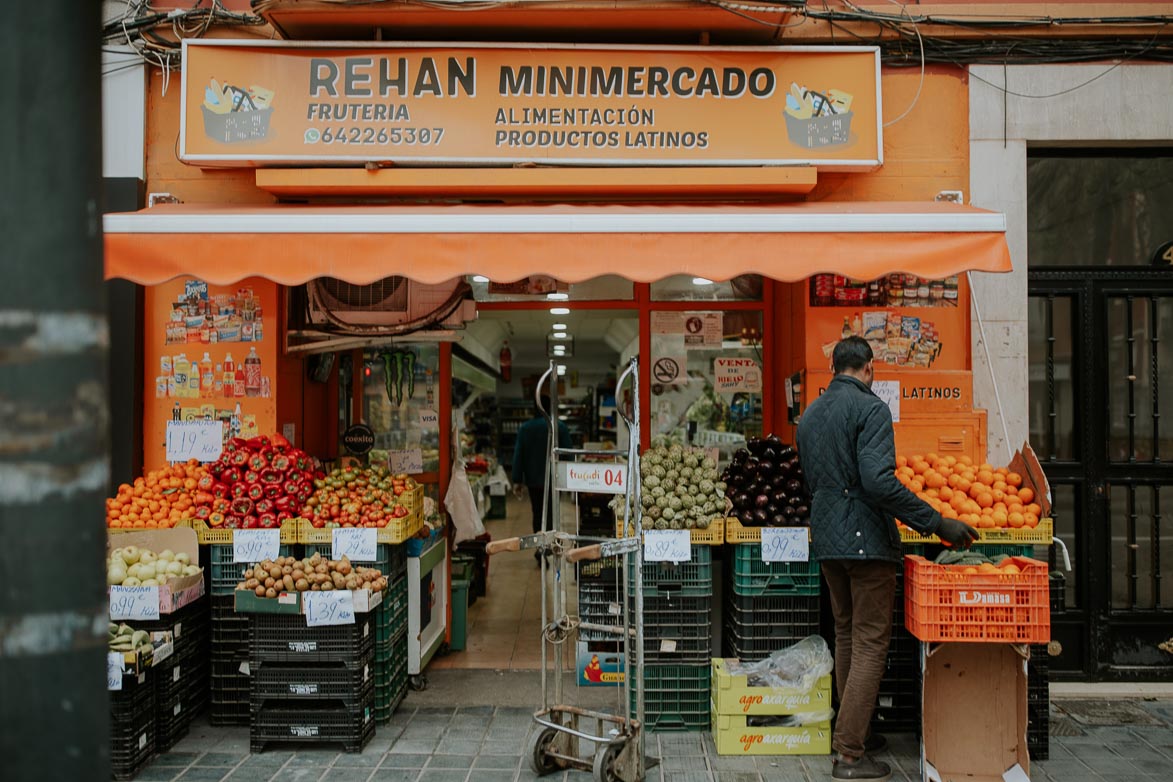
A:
(919, 391)
(698, 329)
(670, 370)
(359, 439)
(733, 375)
(248, 103)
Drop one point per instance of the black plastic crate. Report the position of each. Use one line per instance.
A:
(676, 697)
(287, 638)
(772, 609)
(754, 644)
(302, 723)
(170, 679)
(229, 630)
(132, 727)
(172, 722)
(275, 681)
(1058, 582)
(605, 570)
(229, 690)
(223, 713)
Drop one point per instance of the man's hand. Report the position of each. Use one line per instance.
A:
(956, 533)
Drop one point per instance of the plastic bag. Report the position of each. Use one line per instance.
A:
(461, 505)
(797, 667)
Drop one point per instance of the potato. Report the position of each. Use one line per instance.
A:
(269, 582)
(327, 587)
(275, 572)
(270, 592)
(301, 585)
(260, 591)
(287, 581)
(298, 574)
(286, 570)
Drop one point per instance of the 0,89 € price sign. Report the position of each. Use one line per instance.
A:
(667, 545)
(785, 544)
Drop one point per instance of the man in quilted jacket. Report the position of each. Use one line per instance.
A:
(846, 447)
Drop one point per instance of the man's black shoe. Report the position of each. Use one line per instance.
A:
(865, 768)
(875, 743)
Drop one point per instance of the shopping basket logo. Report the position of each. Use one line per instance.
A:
(968, 598)
(818, 119)
(233, 115)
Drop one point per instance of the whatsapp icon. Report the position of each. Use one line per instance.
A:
(312, 136)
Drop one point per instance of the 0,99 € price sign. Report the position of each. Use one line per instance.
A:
(667, 545)
(255, 545)
(138, 602)
(785, 544)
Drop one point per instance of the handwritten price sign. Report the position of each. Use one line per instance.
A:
(113, 670)
(200, 440)
(667, 545)
(410, 461)
(329, 608)
(785, 544)
(357, 545)
(134, 602)
(255, 545)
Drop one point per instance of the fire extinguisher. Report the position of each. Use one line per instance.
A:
(506, 362)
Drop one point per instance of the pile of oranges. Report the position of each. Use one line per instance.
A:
(982, 496)
(157, 500)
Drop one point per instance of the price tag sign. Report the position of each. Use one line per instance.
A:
(595, 478)
(113, 670)
(200, 440)
(889, 391)
(134, 602)
(410, 461)
(667, 545)
(356, 544)
(335, 607)
(785, 544)
(255, 545)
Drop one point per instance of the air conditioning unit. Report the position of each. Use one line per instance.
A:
(392, 305)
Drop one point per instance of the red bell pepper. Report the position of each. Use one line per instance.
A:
(221, 506)
(255, 491)
(268, 520)
(242, 507)
(280, 461)
(269, 475)
(291, 487)
(283, 516)
(262, 506)
(251, 476)
(279, 441)
(238, 490)
(238, 458)
(205, 483)
(220, 490)
(217, 468)
(257, 462)
(285, 503)
(203, 498)
(273, 491)
(249, 522)
(216, 519)
(203, 512)
(259, 442)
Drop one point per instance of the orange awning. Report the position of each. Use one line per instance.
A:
(291, 244)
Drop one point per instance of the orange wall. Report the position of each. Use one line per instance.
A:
(158, 408)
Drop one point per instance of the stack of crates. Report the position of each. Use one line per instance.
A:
(678, 639)
(1038, 703)
(180, 681)
(898, 704)
(132, 725)
(769, 605)
(311, 684)
(390, 623)
(752, 717)
(229, 647)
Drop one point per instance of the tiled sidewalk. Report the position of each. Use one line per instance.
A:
(485, 744)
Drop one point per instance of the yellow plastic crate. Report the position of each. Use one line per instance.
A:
(1042, 535)
(221, 535)
(397, 530)
(413, 499)
(734, 695)
(736, 532)
(714, 535)
(733, 736)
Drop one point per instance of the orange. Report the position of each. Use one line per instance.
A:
(1015, 507)
(1000, 486)
(963, 484)
(1014, 479)
(985, 476)
(945, 493)
(901, 461)
(970, 571)
(1031, 520)
(986, 466)
(1010, 567)
(1016, 520)
(999, 518)
(965, 460)
(1025, 494)
(999, 495)
(987, 567)
(1034, 508)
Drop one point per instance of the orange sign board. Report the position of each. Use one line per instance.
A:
(931, 391)
(250, 104)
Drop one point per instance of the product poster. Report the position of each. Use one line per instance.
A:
(210, 355)
(698, 329)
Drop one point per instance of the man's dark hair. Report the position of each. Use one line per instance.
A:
(851, 354)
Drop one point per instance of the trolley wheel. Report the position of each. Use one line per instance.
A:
(537, 747)
(419, 682)
(605, 761)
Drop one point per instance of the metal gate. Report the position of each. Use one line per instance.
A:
(1101, 420)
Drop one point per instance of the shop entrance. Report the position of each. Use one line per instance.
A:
(1101, 343)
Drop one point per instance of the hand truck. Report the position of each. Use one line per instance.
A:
(611, 746)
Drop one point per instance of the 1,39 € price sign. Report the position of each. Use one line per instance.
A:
(596, 478)
(785, 544)
(335, 607)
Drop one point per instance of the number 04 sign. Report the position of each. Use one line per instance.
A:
(596, 478)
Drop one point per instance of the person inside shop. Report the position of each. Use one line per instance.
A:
(531, 456)
(847, 451)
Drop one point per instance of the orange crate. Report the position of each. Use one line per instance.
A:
(941, 603)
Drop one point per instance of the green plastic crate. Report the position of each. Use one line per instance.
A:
(226, 574)
(391, 616)
(755, 578)
(686, 579)
(676, 697)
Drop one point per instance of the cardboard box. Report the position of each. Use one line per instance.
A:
(733, 695)
(733, 735)
(177, 592)
(598, 664)
(975, 713)
(247, 602)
